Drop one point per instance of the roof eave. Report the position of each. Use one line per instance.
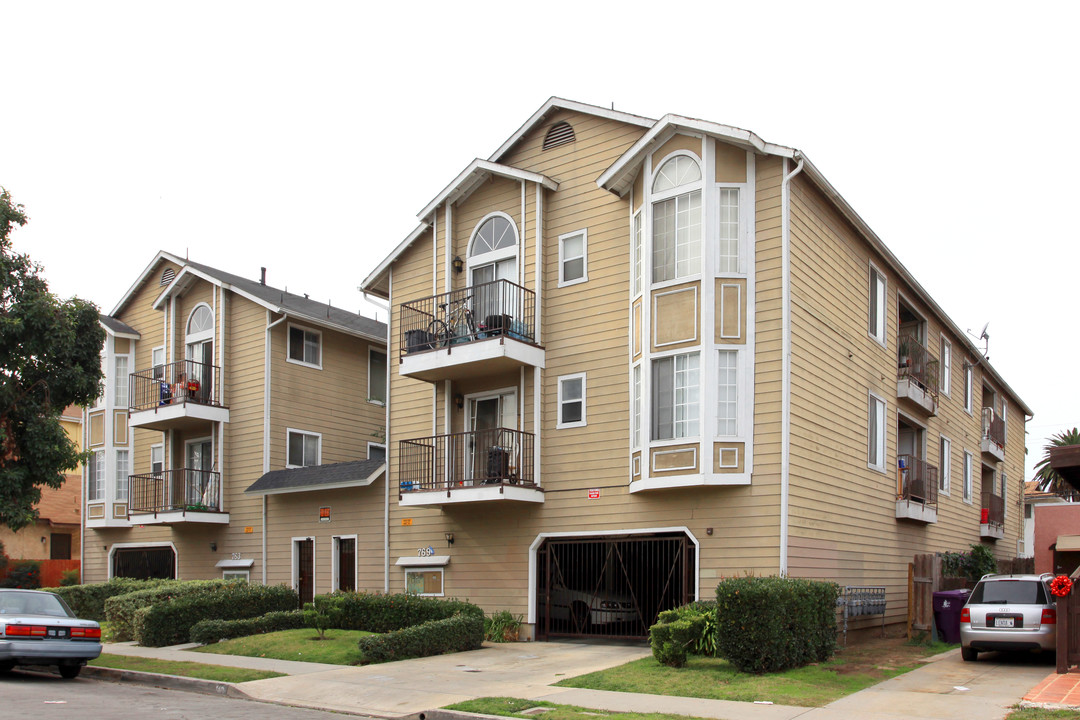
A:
(355, 482)
(475, 174)
(161, 254)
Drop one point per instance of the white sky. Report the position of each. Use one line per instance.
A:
(304, 137)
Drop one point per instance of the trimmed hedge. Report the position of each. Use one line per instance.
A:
(88, 601)
(120, 609)
(675, 635)
(209, 632)
(170, 623)
(434, 637)
(705, 642)
(769, 624)
(387, 613)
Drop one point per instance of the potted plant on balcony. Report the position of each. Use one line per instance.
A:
(903, 351)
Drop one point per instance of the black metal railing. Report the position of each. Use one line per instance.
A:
(467, 459)
(993, 427)
(493, 309)
(917, 480)
(178, 382)
(915, 362)
(179, 490)
(993, 510)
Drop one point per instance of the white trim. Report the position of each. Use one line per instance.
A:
(883, 304)
(655, 454)
(236, 574)
(161, 255)
(474, 174)
(967, 474)
(229, 563)
(422, 568)
(697, 316)
(296, 563)
(289, 431)
(584, 234)
(635, 466)
(428, 561)
(128, 545)
(288, 345)
(945, 467)
(492, 256)
(945, 376)
(969, 389)
(202, 335)
(559, 424)
(376, 444)
(883, 428)
(384, 266)
(738, 313)
(335, 562)
(723, 465)
(386, 371)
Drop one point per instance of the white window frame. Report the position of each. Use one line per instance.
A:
(376, 445)
(95, 476)
(636, 406)
(120, 475)
(120, 381)
(1004, 421)
(719, 257)
(737, 402)
(235, 574)
(878, 288)
(289, 432)
(386, 374)
(654, 405)
(157, 360)
(882, 445)
(945, 378)
(288, 345)
(493, 256)
(296, 563)
(156, 448)
(945, 461)
(679, 193)
(335, 564)
(967, 476)
(564, 258)
(422, 569)
(559, 424)
(969, 387)
(637, 228)
(1004, 493)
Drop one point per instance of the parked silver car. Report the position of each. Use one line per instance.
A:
(38, 628)
(1009, 612)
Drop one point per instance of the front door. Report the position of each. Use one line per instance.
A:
(492, 303)
(491, 446)
(199, 369)
(199, 490)
(304, 559)
(346, 563)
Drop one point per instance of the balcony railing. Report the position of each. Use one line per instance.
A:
(993, 510)
(916, 363)
(493, 309)
(179, 490)
(178, 382)
(467, 459)
(917, 481)
(993, 427)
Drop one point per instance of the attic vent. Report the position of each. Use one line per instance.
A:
(560, 134)
(167, 276)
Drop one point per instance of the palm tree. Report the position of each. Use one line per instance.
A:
(1048, 478)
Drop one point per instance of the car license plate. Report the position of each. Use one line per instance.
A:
(1004, 622)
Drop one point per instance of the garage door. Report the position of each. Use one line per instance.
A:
(144, 563)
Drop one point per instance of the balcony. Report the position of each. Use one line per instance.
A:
(479, 466)
(471, 332)
(176, 396)
(916, 490)
(916, 374)
(176, 496)
(993, 434)
(992, 517)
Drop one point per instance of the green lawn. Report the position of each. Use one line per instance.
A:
(512, 707)
(219, 673)
(1041, 714)
(339, 647)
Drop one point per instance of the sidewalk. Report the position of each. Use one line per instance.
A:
(945, 689)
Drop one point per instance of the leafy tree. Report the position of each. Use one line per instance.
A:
(50, 357)
(1048, 478)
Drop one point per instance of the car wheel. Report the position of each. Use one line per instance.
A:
(969, 654)
(579, 615)
(70, 672)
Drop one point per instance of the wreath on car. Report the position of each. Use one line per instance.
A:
(1060, 586)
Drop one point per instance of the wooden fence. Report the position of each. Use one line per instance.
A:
(51, 570)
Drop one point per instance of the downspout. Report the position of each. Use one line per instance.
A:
(785, 432)
(386, 437)
(266, 427)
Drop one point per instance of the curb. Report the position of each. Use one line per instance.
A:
(169, 682)
(441, 714)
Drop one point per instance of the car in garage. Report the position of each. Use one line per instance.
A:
(38, 628)
(1009, 613)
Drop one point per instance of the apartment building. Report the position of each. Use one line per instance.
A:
(629, 357)
(241, 433)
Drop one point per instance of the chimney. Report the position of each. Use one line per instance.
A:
(262, 280)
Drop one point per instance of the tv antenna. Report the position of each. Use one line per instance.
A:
(984, 337)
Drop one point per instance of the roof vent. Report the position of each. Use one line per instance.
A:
(167, 276)
(560, 134)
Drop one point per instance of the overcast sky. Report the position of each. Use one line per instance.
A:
(305, 137)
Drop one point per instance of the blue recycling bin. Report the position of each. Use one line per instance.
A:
(947, 606)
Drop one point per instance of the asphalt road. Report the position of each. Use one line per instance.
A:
(42, 697)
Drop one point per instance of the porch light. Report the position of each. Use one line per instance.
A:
(449, 538)
(459, 400)
(458, 264)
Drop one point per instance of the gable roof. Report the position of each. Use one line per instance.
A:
(474, 176)
(118, 327)
(354, 473)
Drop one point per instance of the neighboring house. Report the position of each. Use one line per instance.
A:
(240, 434)
(55, 535)
(1033, 498)
(688, 358)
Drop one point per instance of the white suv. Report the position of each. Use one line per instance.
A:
(1009, 612)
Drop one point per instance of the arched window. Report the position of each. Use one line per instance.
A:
(495, 233)
(679, 170)
(201, 321)
(676, 219)
(493, 256)
(199, 346)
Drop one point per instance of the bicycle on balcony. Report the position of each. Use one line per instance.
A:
(456, 325)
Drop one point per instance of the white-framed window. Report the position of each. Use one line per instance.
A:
(376, 451)
(376, 376)
(727, 393)
(676, 390)
(676, 219)
(304, 448)
(967, 476)
(968, 378)
(878, 306)
(305, 346)
(123, 469)
(573, 257)
(236, 575)
(637, 407)
(571, 401)
(343, 567)
(875, 432)
(424, 581)
(1004, 421)
(727, 260)
(1005, 493)
(945, 378)
(120, 380)
(638, 252)
(157, 361)
(945, 459)
(157, 459)
(95, 476)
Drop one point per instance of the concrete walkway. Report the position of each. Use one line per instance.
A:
(946, 688)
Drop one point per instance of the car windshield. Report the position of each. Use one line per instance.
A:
(21, 602)
(1008, 592)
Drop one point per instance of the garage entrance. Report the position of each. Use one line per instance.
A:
(144, 563)
(611, 587)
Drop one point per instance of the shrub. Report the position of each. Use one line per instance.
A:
(387, 613)
(69, 578)
(209, 632)
(971, 565)
(169, 623)
(318, 618)
(768, 624)
(705, 643)
(120, 609)
(435, 637)
(502, 626)
(674, 636)
(23, 574)
(88, 601)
